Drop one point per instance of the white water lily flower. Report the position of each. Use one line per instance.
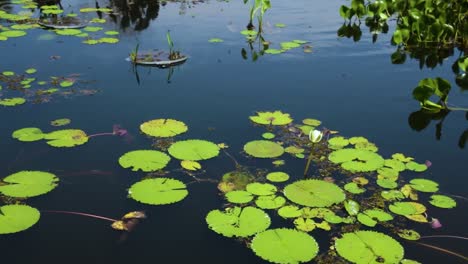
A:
(315, 136)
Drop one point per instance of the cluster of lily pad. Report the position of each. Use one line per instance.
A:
(360, 190)
(31, 89)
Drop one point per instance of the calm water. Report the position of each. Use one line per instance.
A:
(352, 87)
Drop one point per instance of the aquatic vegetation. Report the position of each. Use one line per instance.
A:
(25, 184)
(17, 217)
(163, 127)
(60, 122)
(190, 165)
(263, 149)
(12, 101)
(28, 134)
(145, 160)
(277, 176)
(158, 191)
(66, 138)
(193, 149)
(442, 201)
(276, 118)
(237, 221)
(215, 40)
(315, 193)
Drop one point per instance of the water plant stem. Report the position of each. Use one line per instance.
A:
(446, 236)
(309, 159)
(101, 134)
(442, 250)
(82, 214)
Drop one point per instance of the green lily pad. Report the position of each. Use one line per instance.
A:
(90, 41)
(263, 149)
(145, 160)
(364, 247)
(190, 165)
(306, 129)
(238, 179)
(304, 224)
(276, 118)
(261, 188)
(17, 217)
(289, 45)
(407, 208)
(442, 201)
(66, 138)
(290, 211)
(12, 101)
(314, 193)
(215, 40)
(387, 184)
(239, 197)
(277, 176)
(68, 32)
(111, 33)
(158, 191)
(424, 185)
(108, 40)
(30, 71)
(285, 246)
(268, 135)
(25, 184)
(357, 160)
(392, 195)
(66, 83)
(280, 25)
(92, 29)
(249, 32)
(366, 146)
(28, 134)
(13, 33)
(352, 207)
(294, 150)
(388, 173)
(311, 122)
(372, 216)
(270, 202)
(356, 140)
(163, 127)
(338, 142)
(409, 234)
(8, 73)
(414, 166)
(409, 261)
(193, 149)
(60, 122)
(238, 222)
(395, 165)
(401, 157)
(273, 51)
(354, 188)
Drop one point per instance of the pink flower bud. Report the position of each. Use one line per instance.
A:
(435, 223)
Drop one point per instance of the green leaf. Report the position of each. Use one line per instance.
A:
(280, 25)
(290, 211)
(30, 71)
(354, 188)
(60, 122)
(190, 165)
(16, 218)
(407, 208)
(238, 222)
(337, 142)
(12, 101)
(25, 184)
(28, 134)
(66, 83)
(158, 191)
(276, 118)
(285, 246)
(442, 201)
(294, 150)
(68, 32)
(372, 216)
(289, 45)
(163, 127)
(424, 185)
(363, 247)
(13, 33)
(145, 160)
(111, 33)
(261, 188)
(194, 149)
(409, 234)
(387, 184)
(270, 202)
(92, 29)
(263, 149)
(268, 135)
(215, 40)
(239, 197)
(392, 195)
(314, 193)
(66, 138)
(357, 160)
(414, 166)
(277, 176)
(108, 40)
(304, 224)
(352, 207)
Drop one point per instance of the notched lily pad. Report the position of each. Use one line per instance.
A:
(238, 222)
(314, 193)
(357, 160)
(442, 201)
(17, 217)
(163, 127)
(193, 149)
(263, 149)
(66, 138)
(145, 160)
(158, 191)
(28, 134)
(276, 118)
(25, 184)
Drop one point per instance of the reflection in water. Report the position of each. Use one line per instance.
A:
(170, 72)
(419, 120)
(134, 13)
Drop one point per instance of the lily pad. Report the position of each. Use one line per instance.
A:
(392, 195)
(414, 166)
(194, 149)
(68, 32)
(261, 188)
(12, 101)
(28, 134)
(239, 197)
(314, 193)
(239, 222)
(407, 208)
(215, 40)
(387, 184)
(66, 138)
(145, 160)
(13, 33)
(270, 202)
(158, 191)
(290, 211)
(364, 247)
(66, 83)
(395, 164)
(190, 165)
(60, 122)
(424, 185)
(263, 149)
(276, 118)
(352, 207)
(273, 51)
(268, 135)
(409, 234)
(285, 246)
(289, 45)
(354, 188)
(401, 157)
(372, 216)
(30, 71)
(294, 150)
(311, 122)
(277, 176)
(17, 217)
(25, 184)
(357, 160)
(338, 142)
(442, 201)
(304, 224)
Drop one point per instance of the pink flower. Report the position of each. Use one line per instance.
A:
(435, 223)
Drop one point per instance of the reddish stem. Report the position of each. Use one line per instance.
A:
(101, 134)
(82, 214)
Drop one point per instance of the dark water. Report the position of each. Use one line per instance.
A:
(352, 87)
